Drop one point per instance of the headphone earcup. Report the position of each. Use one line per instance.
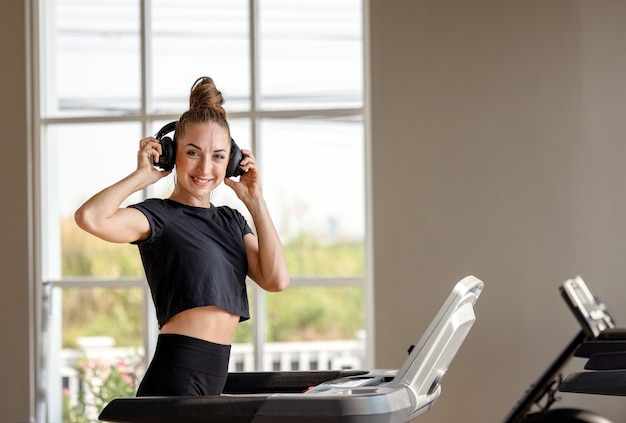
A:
(234, 168)
(167, 159)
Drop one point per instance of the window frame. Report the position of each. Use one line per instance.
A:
(145, 119)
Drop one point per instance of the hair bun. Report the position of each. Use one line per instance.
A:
(204, 93)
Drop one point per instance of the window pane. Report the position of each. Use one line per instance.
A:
(78, 161)
(193, 38)
(94, 312)
(310, 57)
(311, 54)
(91, 58)
(86, 255)
(313, 179)
(102, 353)
(327, 333)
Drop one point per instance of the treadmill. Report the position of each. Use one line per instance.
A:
(605, 347)
(376, 396)
(597, 326)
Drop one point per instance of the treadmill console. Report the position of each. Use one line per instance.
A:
(590, 312)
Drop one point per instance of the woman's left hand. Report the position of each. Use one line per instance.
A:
(249, 185)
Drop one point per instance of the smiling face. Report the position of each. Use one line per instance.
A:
(201, 161)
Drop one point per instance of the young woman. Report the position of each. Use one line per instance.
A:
(196, 255)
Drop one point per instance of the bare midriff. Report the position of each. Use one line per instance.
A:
(209, 323)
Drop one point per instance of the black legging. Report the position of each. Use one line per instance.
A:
(184, 366)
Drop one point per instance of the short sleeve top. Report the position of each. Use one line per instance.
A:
(194, 257)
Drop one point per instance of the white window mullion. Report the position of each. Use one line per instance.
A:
(258, 326)
(150, 324)
(146, 49)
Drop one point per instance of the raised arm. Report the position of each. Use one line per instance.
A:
(267, 265)
(102, 215)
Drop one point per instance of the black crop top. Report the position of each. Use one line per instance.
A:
(194, 257)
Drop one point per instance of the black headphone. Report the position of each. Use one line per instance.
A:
(167, 159)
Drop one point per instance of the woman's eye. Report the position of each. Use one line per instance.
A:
(193, 153)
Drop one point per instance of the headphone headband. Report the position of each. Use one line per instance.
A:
(170, 127)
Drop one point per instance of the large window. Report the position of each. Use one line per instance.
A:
(111, 72)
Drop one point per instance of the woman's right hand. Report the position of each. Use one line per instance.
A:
(150, 150)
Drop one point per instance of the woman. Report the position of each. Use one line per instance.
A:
(196, 256)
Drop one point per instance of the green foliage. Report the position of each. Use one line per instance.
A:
(86, 255)
(101, 311)
(315, 313)
(101, 382)
(243, 334)
(308, 257)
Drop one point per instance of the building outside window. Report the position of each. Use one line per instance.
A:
(113, 71)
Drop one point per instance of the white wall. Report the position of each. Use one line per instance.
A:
(497, 150)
